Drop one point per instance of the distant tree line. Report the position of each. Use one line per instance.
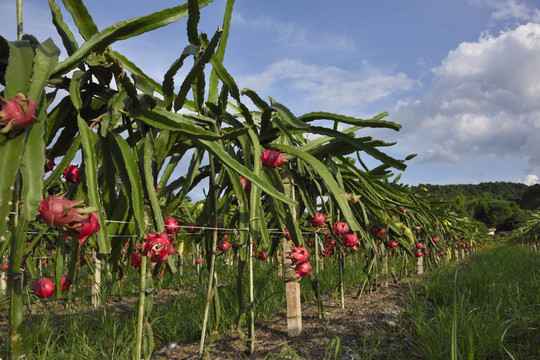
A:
(501, 205)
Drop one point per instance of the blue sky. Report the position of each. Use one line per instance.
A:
(461, 76)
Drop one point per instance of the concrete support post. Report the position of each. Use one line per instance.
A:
(420, 265)
(292, 287)
(96, 285)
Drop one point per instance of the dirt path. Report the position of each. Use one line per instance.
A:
(371, 316)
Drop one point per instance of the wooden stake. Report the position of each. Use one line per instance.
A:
(420, 265)
(96, 285)
(181, 268)
(341, 285)
(251, 299)
(140, 310)
(315, 281)
(3, 282)
(385, 269)
(294, 308)
(292, 288)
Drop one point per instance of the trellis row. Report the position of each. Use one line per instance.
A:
(150, 113)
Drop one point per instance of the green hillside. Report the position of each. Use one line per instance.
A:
(500, 205)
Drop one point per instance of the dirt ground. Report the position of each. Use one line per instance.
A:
(372, 316)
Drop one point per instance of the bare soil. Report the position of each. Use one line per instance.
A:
(370, 318)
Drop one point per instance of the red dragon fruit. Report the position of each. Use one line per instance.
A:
(157, 246)
(272, 159)
(81, 230)
(349, 240)
(171, 226)
(224, 245)
(341, 228)
(56, 210)
(17, 113)
(319, 220)
(302, 269)
(298, 254)
(65, 283)
(73, 174)
(262, 256)
(377, 231)
(44, 288)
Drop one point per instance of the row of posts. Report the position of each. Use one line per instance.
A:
(96, 285)
(292, 288)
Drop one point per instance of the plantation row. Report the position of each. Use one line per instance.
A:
(271, 193)
(179, 319)
(485, 309)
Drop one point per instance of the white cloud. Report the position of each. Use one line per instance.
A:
(283, 31)
(294, 35)
(530, 179)
(521, 10)
(484, 101)
(327, 88)
(497, 70)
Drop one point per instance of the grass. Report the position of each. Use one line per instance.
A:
(101, 334)
(486, 308)
(91, 336)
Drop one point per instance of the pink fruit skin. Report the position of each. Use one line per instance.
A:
(56, 210)
(377, 231)
(341, 228)
(272, 159)
(83, 229)
(66, 283)
(73, 174)
(303, 269)
(136, 260)
(49, 163)
(246, 184)
(157, 246)
(287, 234)
(349, 240)
(298, 254)
(44, 288)
(223, 245)
(319, 220)
(17, 113)
(171, 226)
(191, 228)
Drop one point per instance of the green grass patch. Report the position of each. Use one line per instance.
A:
(485, 308)
(102, 334)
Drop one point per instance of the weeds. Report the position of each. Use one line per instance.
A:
(488, 309)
